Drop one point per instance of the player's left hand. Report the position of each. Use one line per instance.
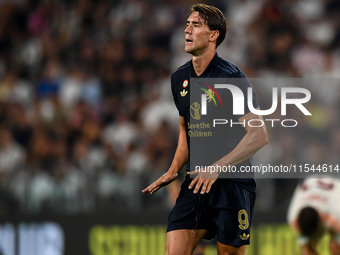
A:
(162, 181)
(203, 179)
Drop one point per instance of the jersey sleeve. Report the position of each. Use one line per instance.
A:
(242, 82)
(175, 93)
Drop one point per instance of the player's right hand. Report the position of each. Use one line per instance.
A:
(164, 180)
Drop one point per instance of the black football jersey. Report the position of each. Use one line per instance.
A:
(222, 138)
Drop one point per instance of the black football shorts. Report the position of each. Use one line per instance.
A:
(226, 217)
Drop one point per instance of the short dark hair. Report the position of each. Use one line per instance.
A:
(213, 18)
(308, 221)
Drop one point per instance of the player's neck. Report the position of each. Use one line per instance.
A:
(201, 62)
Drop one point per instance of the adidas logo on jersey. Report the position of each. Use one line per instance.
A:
(183, 93)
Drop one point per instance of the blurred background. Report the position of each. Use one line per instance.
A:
(86, 113)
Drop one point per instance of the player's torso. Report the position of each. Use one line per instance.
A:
(199, 126)
(323, 193)
(217, 140)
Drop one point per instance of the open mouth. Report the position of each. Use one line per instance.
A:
(188, 40)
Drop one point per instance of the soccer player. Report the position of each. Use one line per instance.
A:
(208, 206)
(315, 210)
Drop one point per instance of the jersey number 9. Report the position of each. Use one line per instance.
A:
(243, 219)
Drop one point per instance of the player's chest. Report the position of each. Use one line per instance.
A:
(197, 93)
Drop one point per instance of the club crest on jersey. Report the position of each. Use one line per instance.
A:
(185, 83)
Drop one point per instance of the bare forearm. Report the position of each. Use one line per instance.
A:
(180, 159)
(181, 154)
(247, 147)
(254, 140)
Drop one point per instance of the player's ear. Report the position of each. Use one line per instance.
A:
(214, 35)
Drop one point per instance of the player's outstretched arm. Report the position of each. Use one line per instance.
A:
(180, 159)
(255, 138)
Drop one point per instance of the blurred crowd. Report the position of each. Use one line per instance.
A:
(86, 113)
